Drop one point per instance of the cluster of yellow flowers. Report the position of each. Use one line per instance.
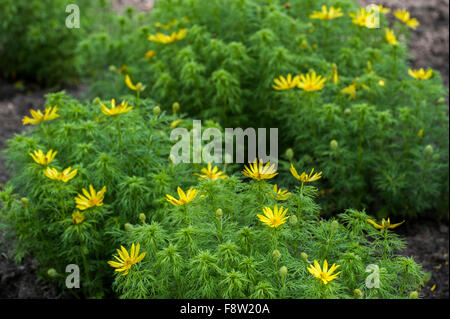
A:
(91, 198)
(165, 39)
(309, 82)
(313, 82)
(272, 217)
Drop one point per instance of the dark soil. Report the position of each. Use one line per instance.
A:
(428, 241)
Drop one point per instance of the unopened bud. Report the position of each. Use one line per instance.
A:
(429, 150)
(142, 218)
(276, 255)
(219, 213)
(283, 271)
(156, 110)
(441, 101)
(175, 107)
(112, 69)
(293, 220)
(347, 112)
(334, 145)
(96, 100)
(25, 202)
(128, 227)
(171, 159)
(289, 154)
(52, 272)
(304, 256)
(357, 292)
(413, 295)
(334, 224)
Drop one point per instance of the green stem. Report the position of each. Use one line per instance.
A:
(61, 200)
(151, 134)
(120, 136)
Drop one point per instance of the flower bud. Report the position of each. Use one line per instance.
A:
(413, 295)
(347, 112)
(293, 220)
(334, 145)
(52, 272)
(156, 110)
(357, 292)
(283, 271)
(25, 202)
(142, 218)
(96, 100)
(112, 69)
(429, 150)
(276, 255)
(304, 256)
(289, 154)
(175, 107)
(128, 227)
(171, 159)
(219, 213)
(441, 101)
(334, 224)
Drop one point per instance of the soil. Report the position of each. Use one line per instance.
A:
(428, 241)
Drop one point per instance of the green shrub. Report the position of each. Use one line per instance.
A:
(36, 45)
(127, 153)
(216, 247)
(380, 118)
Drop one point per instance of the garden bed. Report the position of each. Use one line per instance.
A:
(427, 240)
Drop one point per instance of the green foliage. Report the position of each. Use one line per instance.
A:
(36, 45)
(224, 70)
(38, 210)
(193, 251)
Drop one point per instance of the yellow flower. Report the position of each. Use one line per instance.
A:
(385, 224)
(123, 69)
(420, 134)
(77, 217)
(150, 54)
(165, 39)
(273, 218)
(64, 176)
(383, 9)
(211, 173)
(285, 83)
(116, 110)
(334, 76)
(363, 18)
(390, 36)
(175, 123)
(43, 159)
(125, 260)
(280, 194)
(381, 83)
(184, 197)
(327, 14)
(404, 17)
(311, 82)
(420, 74)
(38, 117)
(258, 171)
(324, 274)
(350, 90)
(305, 178)
(91, 198)
(137, 87)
